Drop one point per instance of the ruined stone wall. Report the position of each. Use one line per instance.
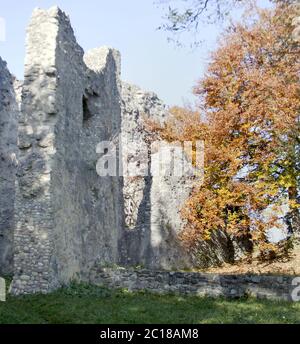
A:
(153, 200)
(105, 206)
(193, 283)
(61, 216)
(8, 142)
(67, 216)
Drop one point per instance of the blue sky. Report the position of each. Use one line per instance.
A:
(130, 26)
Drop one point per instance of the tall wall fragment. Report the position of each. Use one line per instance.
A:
(153, 200)
(67, 216)
(8, 143)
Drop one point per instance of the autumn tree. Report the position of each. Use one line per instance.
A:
(250, 124)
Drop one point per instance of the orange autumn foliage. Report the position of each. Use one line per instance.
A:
(250, 124)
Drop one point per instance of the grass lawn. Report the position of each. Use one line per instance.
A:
(84, 304)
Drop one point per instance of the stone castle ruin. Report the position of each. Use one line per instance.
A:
(61, 220)
(58, 218)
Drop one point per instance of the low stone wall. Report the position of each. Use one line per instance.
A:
(194, 283)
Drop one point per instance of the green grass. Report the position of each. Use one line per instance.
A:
(82, 304)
